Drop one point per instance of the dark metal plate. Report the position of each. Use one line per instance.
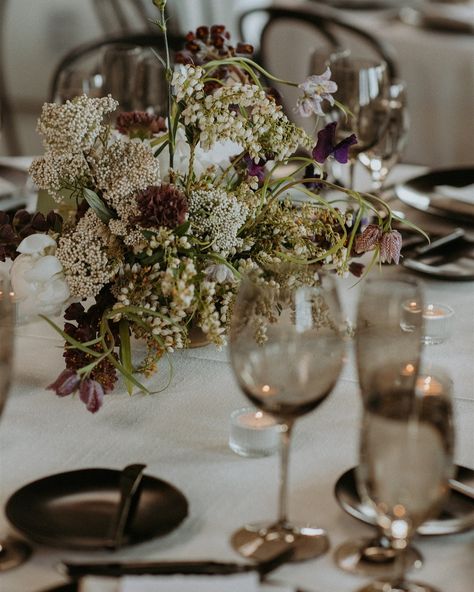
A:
(457, 514)
(420, 193)
(75, 509)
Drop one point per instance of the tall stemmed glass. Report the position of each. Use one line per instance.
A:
(388, 336)
(286, 348)
(12, 552)
(406, 461)
(380, 158)
(362, 83)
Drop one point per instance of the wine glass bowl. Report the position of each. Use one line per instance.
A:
(386, 350)
(286, 348)
(382, 156)
(406, 461)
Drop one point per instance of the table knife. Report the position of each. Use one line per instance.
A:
(118, 569)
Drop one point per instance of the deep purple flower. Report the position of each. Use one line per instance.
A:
(357, 269)
(65, 384)
(161, 205)
(326, 145)
(254, 169)
(390, 246)
(92, 394)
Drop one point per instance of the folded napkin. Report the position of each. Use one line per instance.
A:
(465, 193)
(247, 582)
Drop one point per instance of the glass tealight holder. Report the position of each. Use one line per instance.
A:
(253, 433)
(437, 321)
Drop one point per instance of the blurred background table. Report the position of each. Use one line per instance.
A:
(182, 436)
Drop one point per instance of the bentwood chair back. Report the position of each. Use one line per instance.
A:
(286, 38)
(126, 56)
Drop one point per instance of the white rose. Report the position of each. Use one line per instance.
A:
(37, 278)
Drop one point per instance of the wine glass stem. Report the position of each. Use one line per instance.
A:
(351, 173)
(286, 431)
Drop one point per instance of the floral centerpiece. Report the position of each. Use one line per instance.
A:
(171, 211)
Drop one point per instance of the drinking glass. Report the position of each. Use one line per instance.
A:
(12, 552)
(286, 348)
(362, 83)
(74, 83)
(394, 123)
(383, 340)
(406, 461)
(120, 64)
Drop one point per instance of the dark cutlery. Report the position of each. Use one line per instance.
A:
(117, 569)
(130, 480)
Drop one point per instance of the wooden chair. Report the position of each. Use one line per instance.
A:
(92, 49)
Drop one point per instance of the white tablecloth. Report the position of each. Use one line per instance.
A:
(181, 434)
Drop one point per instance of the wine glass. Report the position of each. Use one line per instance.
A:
(120, 65)
(12, 552)
(74, 83)
(286, 348)
(394, 120)
(388, 335)
(406, 461)
(362, 83)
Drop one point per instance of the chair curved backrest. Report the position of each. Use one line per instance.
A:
(288, 38)
(332, 29)
(87, 50)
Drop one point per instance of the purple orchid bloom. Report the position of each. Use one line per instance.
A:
(92, 394)
(326, 145)
(65, 384)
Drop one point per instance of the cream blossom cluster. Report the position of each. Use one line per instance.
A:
(242, 113)
(217, 217)
(123, 169)
(90, 256)
(69, 133)
(187, 82)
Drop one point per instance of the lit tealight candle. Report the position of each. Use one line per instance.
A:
(253, 433)
(436, 323)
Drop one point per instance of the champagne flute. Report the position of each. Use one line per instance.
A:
(380, 158)
(406, 461)
(385, 338)
(361, 84)
(12, 552)
(286, 348)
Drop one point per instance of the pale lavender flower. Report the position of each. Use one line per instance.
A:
(316, 88)
(390, 246)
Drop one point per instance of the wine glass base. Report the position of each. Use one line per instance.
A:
(363, 556)
(402, 586)
(13, 553)
(263, 541)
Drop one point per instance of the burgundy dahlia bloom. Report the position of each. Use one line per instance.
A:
(139, 124)
(327, 146)
(163, 205)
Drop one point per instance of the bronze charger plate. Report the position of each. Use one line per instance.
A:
(456, 516)
(75, 509)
